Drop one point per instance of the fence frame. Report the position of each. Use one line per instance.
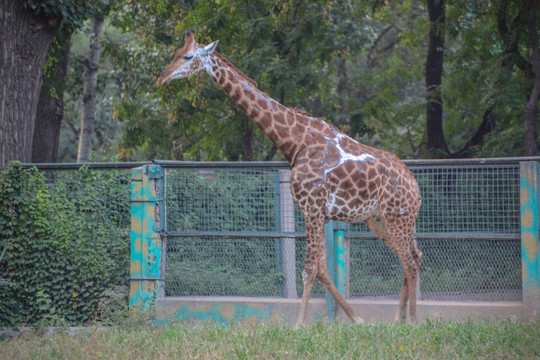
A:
(148, 207)
(148, 257)
(148, 247)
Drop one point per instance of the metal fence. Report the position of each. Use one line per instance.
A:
(468, 229)
(229, 233)
(231, 229)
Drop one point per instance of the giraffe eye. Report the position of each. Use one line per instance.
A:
(188, 56)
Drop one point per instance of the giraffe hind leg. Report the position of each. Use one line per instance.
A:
(410, 257)
(415, 260)
(403, 299)
(377, 225)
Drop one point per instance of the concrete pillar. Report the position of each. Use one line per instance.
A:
(147, 218)
(288, 244)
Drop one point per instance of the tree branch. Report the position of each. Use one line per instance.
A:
(372, 60)
(271, 153)
(486, 126)
(511, 38)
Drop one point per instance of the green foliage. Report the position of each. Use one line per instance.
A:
(479, 76)
(68, 243)
(72, 12)
(358, 64)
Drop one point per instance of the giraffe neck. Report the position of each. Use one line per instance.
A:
(285, 127)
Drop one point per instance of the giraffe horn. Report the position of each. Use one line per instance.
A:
(190, 37)
(208, 49)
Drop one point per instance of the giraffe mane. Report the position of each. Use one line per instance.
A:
(301, 112)
(241, 74)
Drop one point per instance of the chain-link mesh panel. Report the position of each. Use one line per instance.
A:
(479, 198)
(375, 271)
(471, 270)
(225, 229)
(222, 266)
(460, 270)
(222, 200)
(466, 199)
(468, 229)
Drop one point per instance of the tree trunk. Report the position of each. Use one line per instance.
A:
(531, 109)
(86, 134)
(24, 42)
(247, 140)
(341, 89)
(50, 110)
(436, 144)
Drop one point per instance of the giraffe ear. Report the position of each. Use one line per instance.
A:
(208, 49)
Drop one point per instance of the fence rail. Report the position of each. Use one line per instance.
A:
(232, 229)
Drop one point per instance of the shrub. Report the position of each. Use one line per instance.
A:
(67, 240)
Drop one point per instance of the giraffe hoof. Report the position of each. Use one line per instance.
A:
(358, 320)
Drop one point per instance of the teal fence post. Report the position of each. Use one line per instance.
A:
(530, 238)
(329, 238)
(340, 268)
(336, 262)
(147, 218)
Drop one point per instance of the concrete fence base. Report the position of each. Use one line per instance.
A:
(224, 310)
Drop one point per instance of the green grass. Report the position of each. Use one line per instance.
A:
(431, 339)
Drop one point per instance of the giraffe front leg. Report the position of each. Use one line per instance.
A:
(308, 277)
(314, 217)
(316, 268)
(324, 278)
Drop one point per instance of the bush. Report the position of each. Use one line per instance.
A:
(68, 243)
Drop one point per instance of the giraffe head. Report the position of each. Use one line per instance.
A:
(189, 60)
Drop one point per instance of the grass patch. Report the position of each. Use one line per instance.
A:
(431, 339)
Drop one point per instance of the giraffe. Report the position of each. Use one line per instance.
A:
(332, 176)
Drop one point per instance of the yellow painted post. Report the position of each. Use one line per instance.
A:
(530, 238)
(147, 216)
